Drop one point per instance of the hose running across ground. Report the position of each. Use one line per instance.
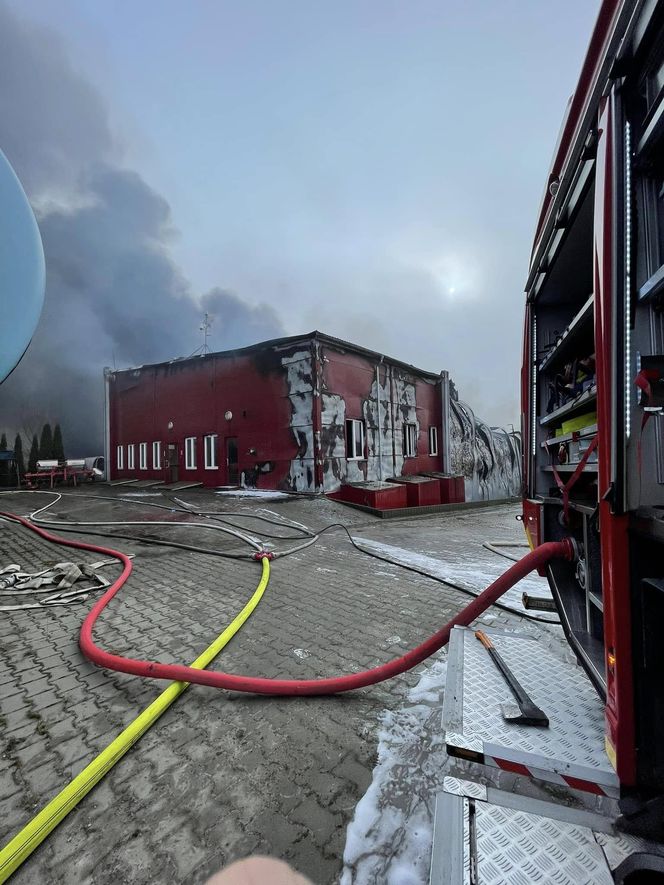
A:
(18, 849)
(311, 536)
(292, 687)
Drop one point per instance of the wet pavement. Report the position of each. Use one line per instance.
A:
(224, 775)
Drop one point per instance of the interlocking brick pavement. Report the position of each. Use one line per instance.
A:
(220, 775)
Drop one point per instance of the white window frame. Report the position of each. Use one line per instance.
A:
(120, 457)
(156, 456)
(190, 453)
(410, 440)
(143, 456)
(357, 440)
(210, 450)
(433, 440)
(131, 456)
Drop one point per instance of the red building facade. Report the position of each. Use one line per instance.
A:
(303, 414)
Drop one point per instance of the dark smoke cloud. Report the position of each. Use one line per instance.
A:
(114, 296)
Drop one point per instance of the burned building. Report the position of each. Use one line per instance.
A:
(305, 414)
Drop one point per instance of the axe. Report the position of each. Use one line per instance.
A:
(527, 712)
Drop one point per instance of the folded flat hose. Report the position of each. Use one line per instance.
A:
(333, 685)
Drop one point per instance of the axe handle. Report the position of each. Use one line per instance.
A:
(519, 692)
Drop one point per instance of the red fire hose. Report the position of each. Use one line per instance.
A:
(256, 685)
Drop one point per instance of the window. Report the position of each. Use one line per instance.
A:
(190, 453)
(409, 440)
(143, 456)
(156, 456)
(130, 456)
(120, 461)
(211, 451)
(354, 439)
(433, 440)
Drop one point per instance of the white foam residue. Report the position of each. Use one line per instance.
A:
(389, 838)
(141, 495)
(429, 687)
(474, 572)
(301, 653)
(281, 518)
(264, 494)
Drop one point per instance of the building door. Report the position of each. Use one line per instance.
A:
(231, 461)
(173, 461)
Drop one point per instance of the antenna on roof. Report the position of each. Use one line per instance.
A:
(205, 329)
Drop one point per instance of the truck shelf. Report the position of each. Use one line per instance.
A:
(570, 468)
(578, 331)
(590, 430)
(582, 401)
(587, 508)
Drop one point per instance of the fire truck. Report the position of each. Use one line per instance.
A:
(582, 799)
(593, 389)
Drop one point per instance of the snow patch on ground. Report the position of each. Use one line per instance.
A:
(264, 495)
(389, 838)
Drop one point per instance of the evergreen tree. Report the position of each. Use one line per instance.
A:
(58, 447)
(46, 443)
(34, 455)
(4, 465)
(18, 456)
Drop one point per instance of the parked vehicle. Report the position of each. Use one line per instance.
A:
(98, 467)
(593, 389)
(70, 471)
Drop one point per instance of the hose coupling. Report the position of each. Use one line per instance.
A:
(572, 553)
(263, 554)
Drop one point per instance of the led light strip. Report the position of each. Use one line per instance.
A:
(628, 279)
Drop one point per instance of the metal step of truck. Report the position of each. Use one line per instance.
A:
(484, 836)
(569, 753)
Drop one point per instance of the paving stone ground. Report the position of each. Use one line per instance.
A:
(220, 775)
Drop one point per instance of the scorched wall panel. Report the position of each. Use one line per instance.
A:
(385, 397)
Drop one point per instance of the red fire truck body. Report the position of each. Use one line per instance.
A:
(592, 388)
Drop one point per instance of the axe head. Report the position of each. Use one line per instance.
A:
(525, 715)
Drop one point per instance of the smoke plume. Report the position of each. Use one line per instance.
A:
(114, 295)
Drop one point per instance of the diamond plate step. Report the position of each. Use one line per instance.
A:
(569, 753)
(479, 841)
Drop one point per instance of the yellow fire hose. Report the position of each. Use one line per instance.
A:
(34, 833)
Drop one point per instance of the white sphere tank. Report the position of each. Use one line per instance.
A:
(22, 271)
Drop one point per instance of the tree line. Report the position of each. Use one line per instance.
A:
(48, 447)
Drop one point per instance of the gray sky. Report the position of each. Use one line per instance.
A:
(371, 169)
